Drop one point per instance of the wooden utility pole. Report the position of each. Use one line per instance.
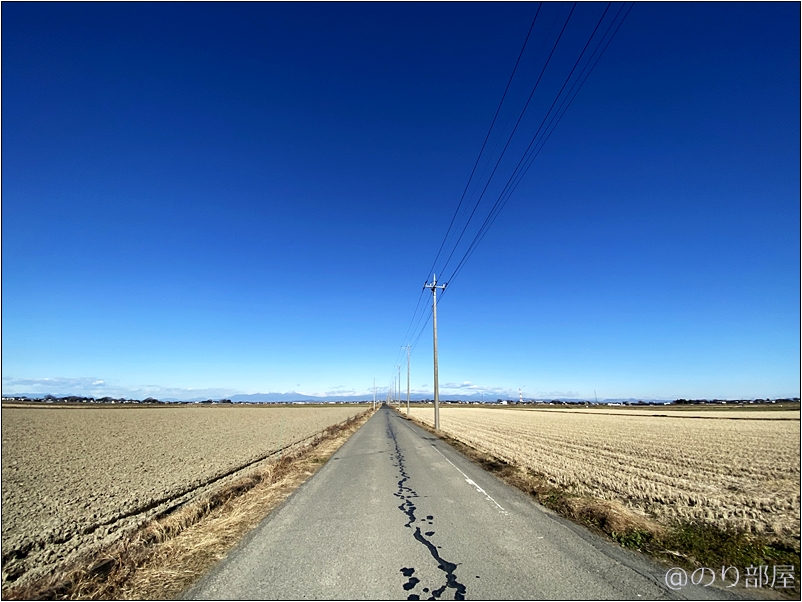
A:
(434, 286)
(408, 348)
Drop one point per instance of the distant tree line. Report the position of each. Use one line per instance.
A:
(734, 401)
(80, 399)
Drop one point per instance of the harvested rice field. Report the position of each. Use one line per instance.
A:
(731, 469)
(77, 477)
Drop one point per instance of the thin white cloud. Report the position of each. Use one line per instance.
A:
(463, 385)
(342, 391)
(558, 394)
(467, 387)
(96, 387)
(99, 387)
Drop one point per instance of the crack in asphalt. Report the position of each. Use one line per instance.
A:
(406, 494)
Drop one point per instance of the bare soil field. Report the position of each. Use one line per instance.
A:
(701, 467)
(76, 478)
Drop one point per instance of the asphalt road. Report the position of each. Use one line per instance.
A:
(398, 514)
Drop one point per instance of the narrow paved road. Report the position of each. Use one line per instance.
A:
(398, 514)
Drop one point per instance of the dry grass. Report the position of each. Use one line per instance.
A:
(740, 475)
(164, 557)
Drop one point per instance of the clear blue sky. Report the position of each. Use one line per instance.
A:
(210, 199)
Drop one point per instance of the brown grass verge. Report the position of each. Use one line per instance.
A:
(168, 554)
(682, 544)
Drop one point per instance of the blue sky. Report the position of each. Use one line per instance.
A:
(211, 199)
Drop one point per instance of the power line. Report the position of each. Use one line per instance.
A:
(536, 146)
(411, 322)
(429, 314)
(422, 329)
(512, 134)
(418, 327)
(547, 125)
(485, 224)
(487, 137)
(578, 83)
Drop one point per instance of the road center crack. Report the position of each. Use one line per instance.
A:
(406, 494)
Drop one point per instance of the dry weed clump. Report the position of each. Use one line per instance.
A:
(734, 475)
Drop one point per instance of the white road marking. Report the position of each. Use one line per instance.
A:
(471, 482)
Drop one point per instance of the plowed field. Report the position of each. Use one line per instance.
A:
(75, 477)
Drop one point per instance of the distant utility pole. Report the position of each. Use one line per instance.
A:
(434, 286)
(399, 384)
(408, 348)
(374, 393)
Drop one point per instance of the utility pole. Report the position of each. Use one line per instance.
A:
(408, 348)
(374, 393)
(434, 286)
(399, 384)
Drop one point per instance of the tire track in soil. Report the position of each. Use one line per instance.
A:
(406, 494)
(171, 501)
